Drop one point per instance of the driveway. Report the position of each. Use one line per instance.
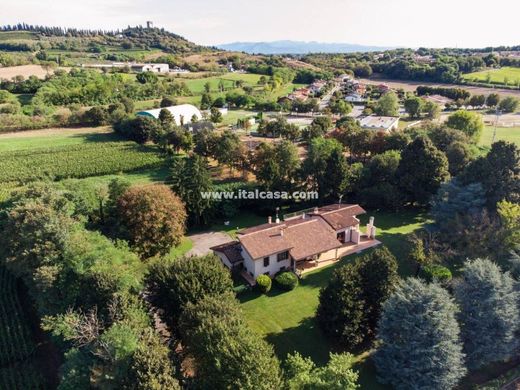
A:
(203, 241)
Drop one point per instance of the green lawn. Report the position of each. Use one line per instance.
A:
(497, 76)
(286, 319)
(510, 134)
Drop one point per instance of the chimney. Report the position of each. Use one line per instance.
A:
(303, 216)
(281, 232)
(269, 220)
(316, 210)
(277, 218)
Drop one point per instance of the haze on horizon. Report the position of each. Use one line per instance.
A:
(403, 23)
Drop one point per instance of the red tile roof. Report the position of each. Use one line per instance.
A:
(311, 233)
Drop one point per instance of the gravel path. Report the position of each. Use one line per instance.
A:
(203, 241)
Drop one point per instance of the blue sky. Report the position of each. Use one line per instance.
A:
(414, 23)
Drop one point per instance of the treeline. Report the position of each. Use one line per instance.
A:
(451, 93)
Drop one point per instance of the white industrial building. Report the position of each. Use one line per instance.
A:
(182, 114)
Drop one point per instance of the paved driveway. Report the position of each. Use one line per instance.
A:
(203, 241)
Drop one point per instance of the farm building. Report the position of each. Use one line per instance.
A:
(182, 113)
(380, 123)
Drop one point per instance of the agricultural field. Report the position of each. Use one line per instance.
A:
(496, 76)
(16, 345)
(72, 153)
(76, 161)
(287, 319)
(23, 70)
(509, 134)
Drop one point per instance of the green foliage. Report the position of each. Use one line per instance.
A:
(388, 105)
(190, 178)
(420, 339)
(468, 122)
(226, 353)
(422, 169)
(151, 367)
(286, 281)
(350, 305)
(16, 344)
(153, 218)
(413, 106)
(140, 129)
(435, 273)
(498, 172)
(276, 167)
(315, 165)
(264, 283)
(176, 283)
(509, 104)
(302, 374)
(318, 127)
(489, 313)
(454, 199)
(76, 161)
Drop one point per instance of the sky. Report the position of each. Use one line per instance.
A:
(404, 23)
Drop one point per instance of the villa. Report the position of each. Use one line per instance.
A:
(302, 241)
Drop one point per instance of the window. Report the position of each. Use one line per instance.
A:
(266, 261)
(283, 256)
(283, 268)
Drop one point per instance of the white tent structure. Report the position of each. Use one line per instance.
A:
(181, 113)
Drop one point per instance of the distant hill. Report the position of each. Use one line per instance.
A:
(18, 38)
(297, 47)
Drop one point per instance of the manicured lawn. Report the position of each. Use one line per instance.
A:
(510, 134)
(286, 319)
(496, 75)
(182, 249)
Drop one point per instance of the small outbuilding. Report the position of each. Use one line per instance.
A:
(183, 113)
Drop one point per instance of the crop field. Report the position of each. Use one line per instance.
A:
(497, 76)
(16, 345)
(197, 85)
(76, 161)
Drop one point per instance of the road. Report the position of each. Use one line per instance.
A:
(325, 100)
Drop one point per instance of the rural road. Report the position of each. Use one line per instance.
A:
(203, 241)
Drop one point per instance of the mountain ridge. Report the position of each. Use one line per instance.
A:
(298, 47)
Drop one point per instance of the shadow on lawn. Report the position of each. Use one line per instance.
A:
(306, 338)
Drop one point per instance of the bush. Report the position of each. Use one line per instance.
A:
(286, 281)
(263, 284)
(436, 272)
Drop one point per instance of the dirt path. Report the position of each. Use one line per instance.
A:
(203, 241)
(412, 85)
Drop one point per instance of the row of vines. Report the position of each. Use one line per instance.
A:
(17, 348)
(76, 161)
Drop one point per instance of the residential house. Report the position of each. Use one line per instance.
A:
(380, 123)
(302, 241)
(355, 98)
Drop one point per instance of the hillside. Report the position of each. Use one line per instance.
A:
(23, 44)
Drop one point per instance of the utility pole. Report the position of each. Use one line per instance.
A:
(497, 115)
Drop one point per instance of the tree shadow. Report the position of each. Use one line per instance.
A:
(306, 339)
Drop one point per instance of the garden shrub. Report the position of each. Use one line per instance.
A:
(263, 283)
(286, 281)
(436, 272)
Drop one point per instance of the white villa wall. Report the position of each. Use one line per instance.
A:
(224, 259)
(256, 267)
